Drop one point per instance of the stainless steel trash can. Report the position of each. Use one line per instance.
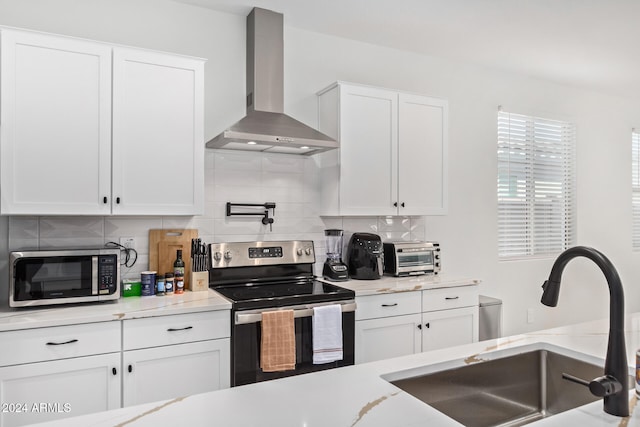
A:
(490, 318)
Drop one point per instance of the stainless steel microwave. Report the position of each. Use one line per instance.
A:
(411, 258)
(63, 276)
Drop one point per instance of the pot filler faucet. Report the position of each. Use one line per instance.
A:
(613, 386)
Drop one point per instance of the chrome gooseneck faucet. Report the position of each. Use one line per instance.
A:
(613, 386)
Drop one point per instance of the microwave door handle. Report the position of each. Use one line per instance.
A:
(94, 275)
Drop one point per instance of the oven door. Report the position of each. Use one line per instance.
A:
(246, 338)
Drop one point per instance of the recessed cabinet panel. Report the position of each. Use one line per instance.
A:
(175, 371)
(157, 133)
(422, 155)
(449, 328)
(387, 337)
(369, 132)
(71, 387)
(56, 134)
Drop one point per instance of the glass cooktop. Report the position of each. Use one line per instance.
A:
(281, 294)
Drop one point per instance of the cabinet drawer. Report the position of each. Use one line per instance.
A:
(446, 298)
(176, 329)
(59, 342)
(385, 305)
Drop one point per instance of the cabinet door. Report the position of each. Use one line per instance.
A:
(378, 339)
(59, 389)
(448, 328)
(422, 155)
(55, 139)
(176, 370)
(368, 151)
(158, 133)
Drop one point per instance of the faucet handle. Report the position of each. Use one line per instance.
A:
(606, 385)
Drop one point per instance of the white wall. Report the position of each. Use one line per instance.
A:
(312, 61)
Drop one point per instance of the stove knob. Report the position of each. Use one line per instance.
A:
(307, 251)
(299, 251)
(227, 255)
(217, 256)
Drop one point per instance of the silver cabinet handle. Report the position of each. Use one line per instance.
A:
(62, 343)
(390, 305)
(179, 329)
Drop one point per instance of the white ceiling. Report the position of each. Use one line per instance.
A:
(587, 43)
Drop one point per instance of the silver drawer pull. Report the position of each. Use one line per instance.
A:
(179, 329)
(451, 298)
(390, 305)
(62, 343)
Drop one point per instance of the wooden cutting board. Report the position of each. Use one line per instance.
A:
(163, 245)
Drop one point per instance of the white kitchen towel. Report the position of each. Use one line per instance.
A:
(327, 334)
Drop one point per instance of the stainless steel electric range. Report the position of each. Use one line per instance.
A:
(264, 276)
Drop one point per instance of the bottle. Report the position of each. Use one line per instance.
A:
(160, 285)
(168, 283)
(178, 272)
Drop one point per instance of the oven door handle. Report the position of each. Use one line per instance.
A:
(246, 318)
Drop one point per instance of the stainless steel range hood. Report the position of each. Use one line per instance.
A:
(266, 127)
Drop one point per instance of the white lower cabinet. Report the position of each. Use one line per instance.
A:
(448, 328)
(65, 371)
(174, 371)
(398, 324)
(38, 392)
(174, 356)
(59, 372)
(387, 337)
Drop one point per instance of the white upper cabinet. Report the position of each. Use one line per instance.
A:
(392, 158)
(55, 138)
(61, 97)
(158, 133)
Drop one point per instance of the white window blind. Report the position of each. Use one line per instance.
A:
(536, 191)
(635, 192)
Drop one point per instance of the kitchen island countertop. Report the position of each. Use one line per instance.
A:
(358, 396)
(121, 309)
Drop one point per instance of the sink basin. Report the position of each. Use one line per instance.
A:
(508, 391)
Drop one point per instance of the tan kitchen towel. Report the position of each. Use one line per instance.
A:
(327, 334)
(278, 346)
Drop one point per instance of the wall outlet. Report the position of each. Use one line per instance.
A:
(128, 242)
(530, 315)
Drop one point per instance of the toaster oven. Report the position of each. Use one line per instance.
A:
(411, 258)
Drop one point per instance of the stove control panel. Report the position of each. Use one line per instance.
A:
(240, 254)
(268, 252)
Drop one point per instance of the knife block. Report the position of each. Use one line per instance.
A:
(199, 281)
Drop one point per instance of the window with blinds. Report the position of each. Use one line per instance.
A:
(635, 190)
(536, 191)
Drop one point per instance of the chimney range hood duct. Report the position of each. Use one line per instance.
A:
(266, 127)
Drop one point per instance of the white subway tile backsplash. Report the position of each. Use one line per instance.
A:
(18, 244)
(65, 226)
(71, 242)
(284, 164)
(23, 227)
(236, 160)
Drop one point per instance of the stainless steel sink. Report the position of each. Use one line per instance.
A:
(508, 391)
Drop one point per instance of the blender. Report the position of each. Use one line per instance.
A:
(334, 268)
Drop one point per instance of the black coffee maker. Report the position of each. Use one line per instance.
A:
(364, 256)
